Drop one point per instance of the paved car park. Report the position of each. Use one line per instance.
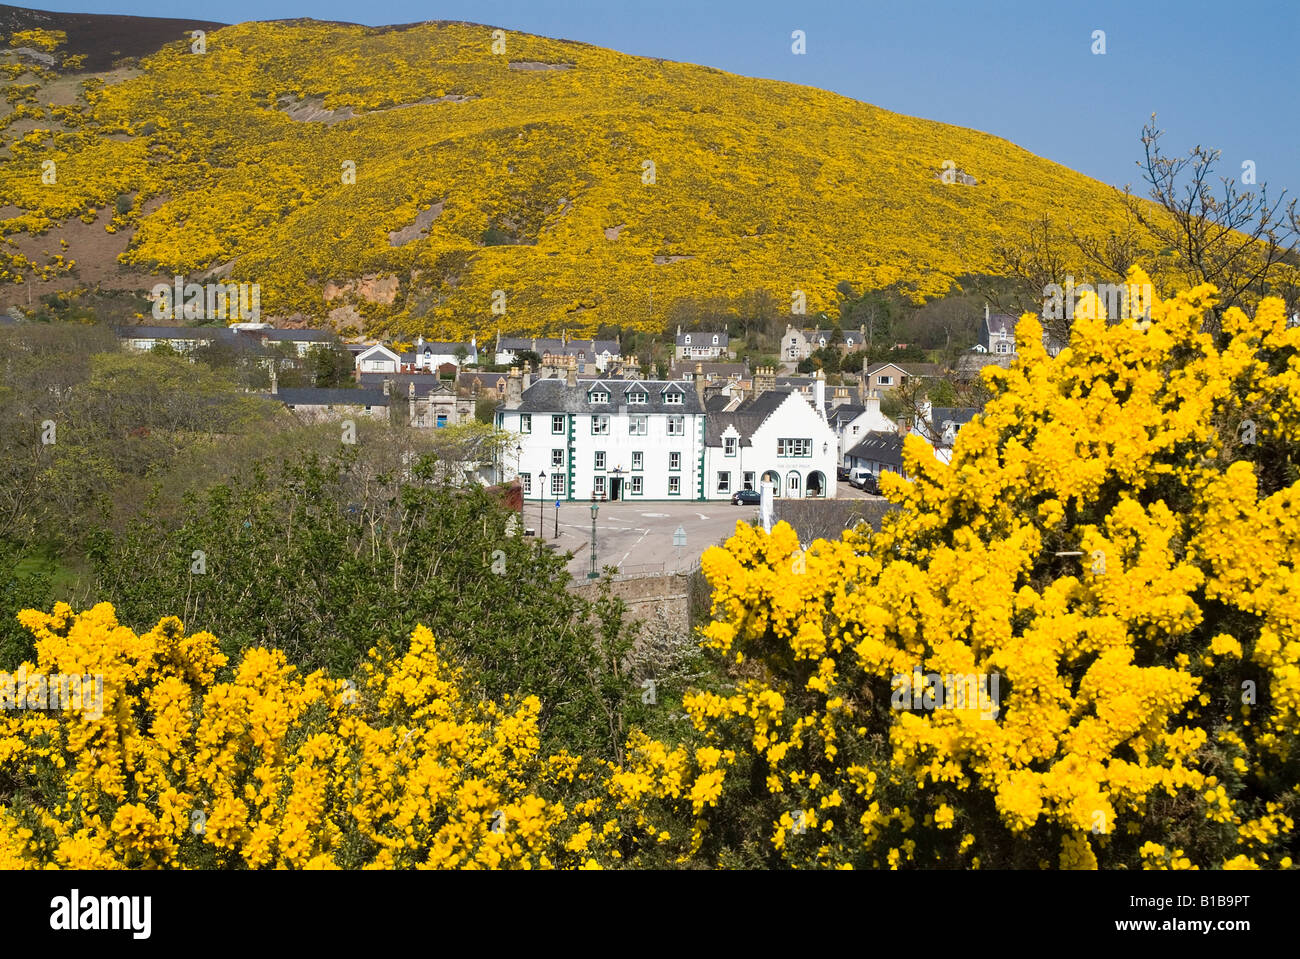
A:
(639, 536)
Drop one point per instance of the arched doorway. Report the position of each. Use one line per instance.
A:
(792, 484)
(816, 483)
(771, 476)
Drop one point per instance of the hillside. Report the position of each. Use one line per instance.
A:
(523, 172)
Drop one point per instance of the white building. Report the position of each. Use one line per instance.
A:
(600, 354)
(852, 422)
(428, 356)
(655, 440)
(701, 345)
(617, 439)
(777, 436)
(378, 359)
(940, 425)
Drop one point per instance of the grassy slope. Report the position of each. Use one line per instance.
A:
(763, 185)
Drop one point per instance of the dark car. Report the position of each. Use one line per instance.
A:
(749, 497)
(841, 473)
(867, 483)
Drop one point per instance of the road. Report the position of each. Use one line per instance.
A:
(631, 535)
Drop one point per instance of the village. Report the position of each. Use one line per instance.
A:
(588, 424)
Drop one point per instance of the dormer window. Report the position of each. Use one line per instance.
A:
(636, 398)
(715, 340)
(674, 399)
(688, 339)
(598, 396)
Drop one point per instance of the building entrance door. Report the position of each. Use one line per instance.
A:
(615, 488)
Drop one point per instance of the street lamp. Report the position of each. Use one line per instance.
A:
(541, 502)
(557, 519)
(594, 510)
(519, 461)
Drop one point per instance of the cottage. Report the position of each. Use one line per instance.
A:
(798, 345)
(879, 452)
(852, 422)
(701, 345)
(776, 436)
(597, 355)
(997, 333)
(430, 356)
(378, 359)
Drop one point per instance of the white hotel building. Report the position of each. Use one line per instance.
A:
(655, 440)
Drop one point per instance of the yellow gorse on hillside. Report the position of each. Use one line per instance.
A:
(241, 153)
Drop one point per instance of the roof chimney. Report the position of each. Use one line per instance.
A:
(764, 380)
(571, 372)
(986, 314)
(514, 389)
(275, 385)
(819, 393)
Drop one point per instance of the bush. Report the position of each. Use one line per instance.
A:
(1147, 698)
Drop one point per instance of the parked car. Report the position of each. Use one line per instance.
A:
(841, 473)
(864, 480)
(746, 497)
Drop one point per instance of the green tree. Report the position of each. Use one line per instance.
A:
(330, 558)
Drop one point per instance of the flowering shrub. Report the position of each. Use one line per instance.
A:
(1114, 540)
(275, 769)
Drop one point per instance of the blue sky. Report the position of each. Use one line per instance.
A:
(1217, 74)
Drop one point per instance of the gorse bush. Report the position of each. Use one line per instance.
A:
(1114, 540)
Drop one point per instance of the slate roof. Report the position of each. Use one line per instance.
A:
(486, 381)
(796, 382)
(878, 447)
(237, 339)
(703, 338)
(684, 369)
(552, 395)
(957, 415)
(844, 414)
(1003, 323)
(425, 383)
(448, 348)
(553, 344)
(314, 396)
(297, 336)
(746, 418)
(171, 332)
